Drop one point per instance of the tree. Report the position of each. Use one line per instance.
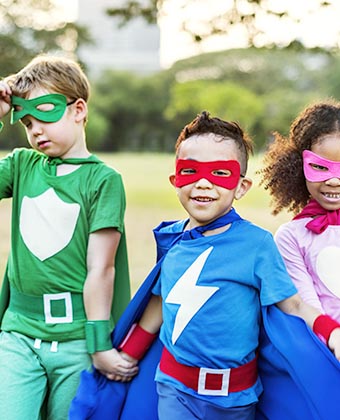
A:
(235, 14)
(30, 27)
(132, 107)
(224, 99)
(263, 89)
(261, 70)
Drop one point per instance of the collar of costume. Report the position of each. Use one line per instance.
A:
(315, 174)
(22, 107)
(51, 163)
(197, 170)
(167, 234)
(322, 218)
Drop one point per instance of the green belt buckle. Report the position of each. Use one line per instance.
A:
(49, 318)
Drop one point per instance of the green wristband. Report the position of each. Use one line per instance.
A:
(98, 336)
(1, 125)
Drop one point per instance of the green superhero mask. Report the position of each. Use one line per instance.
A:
(30, 107)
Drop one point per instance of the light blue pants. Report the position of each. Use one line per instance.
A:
(176, 405)
(31, 377)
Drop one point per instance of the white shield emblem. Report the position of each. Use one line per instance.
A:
(327, 267)
(47, 223)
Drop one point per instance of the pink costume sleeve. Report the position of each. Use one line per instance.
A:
(287, 240)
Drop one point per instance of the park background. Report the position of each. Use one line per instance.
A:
(259, 62)
(151, 199)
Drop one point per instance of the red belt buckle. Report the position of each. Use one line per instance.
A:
(209, 378)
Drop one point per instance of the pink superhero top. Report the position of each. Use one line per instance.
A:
(313, 262)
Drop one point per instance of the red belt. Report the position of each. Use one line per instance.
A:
(210, 381)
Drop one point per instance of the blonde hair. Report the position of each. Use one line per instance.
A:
(55, 74)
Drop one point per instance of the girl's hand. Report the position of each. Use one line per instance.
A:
(5, 99)
(334, 343)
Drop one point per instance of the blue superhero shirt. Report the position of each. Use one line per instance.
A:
(213, 288)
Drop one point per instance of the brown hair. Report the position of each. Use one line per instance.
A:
(204, 124)
(282, 173)
(55, 74)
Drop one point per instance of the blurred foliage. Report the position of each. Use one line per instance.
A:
(133, 108)
(132, 9)
(263, 89)
(224, 99)
(31, 27)
(226, 19)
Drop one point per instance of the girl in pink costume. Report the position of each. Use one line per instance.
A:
(302, 174)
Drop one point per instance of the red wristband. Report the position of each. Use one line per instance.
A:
(137, 342)
(324, 326)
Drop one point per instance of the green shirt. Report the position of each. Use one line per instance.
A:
(52, 217)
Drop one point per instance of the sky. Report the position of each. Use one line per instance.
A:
(69, 9)
(319, 26)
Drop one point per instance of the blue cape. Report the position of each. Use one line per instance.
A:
(98, 398)
(300, 376)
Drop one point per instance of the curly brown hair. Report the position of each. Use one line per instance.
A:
(227, 130)
(282, 173)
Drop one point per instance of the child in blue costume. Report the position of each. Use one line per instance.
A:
(67, 275)
(212, 284)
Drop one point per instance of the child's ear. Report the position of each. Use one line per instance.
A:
(243, 187)
(172, 179)
(81, 109)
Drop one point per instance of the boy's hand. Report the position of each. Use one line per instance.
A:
(334, 343)
(111, 364)
(5, 99)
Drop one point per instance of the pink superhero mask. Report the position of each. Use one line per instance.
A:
(224, 173)
(318, 169)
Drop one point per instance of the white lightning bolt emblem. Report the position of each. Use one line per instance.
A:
(188, 295)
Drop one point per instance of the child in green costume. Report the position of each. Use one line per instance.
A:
(67, 275)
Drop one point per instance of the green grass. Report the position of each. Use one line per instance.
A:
(151, 199)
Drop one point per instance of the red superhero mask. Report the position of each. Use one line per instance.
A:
(224, 173)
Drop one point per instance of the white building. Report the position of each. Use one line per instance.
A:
(134, 47)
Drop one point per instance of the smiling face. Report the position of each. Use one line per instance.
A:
(64, 138)
(326, 193)
(203, 199)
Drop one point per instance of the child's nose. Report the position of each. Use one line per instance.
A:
(203, 183)
(333, 181)
(36, 128)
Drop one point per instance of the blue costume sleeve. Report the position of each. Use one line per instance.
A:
(300, 375)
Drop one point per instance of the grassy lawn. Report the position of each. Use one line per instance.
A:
(151, 199)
